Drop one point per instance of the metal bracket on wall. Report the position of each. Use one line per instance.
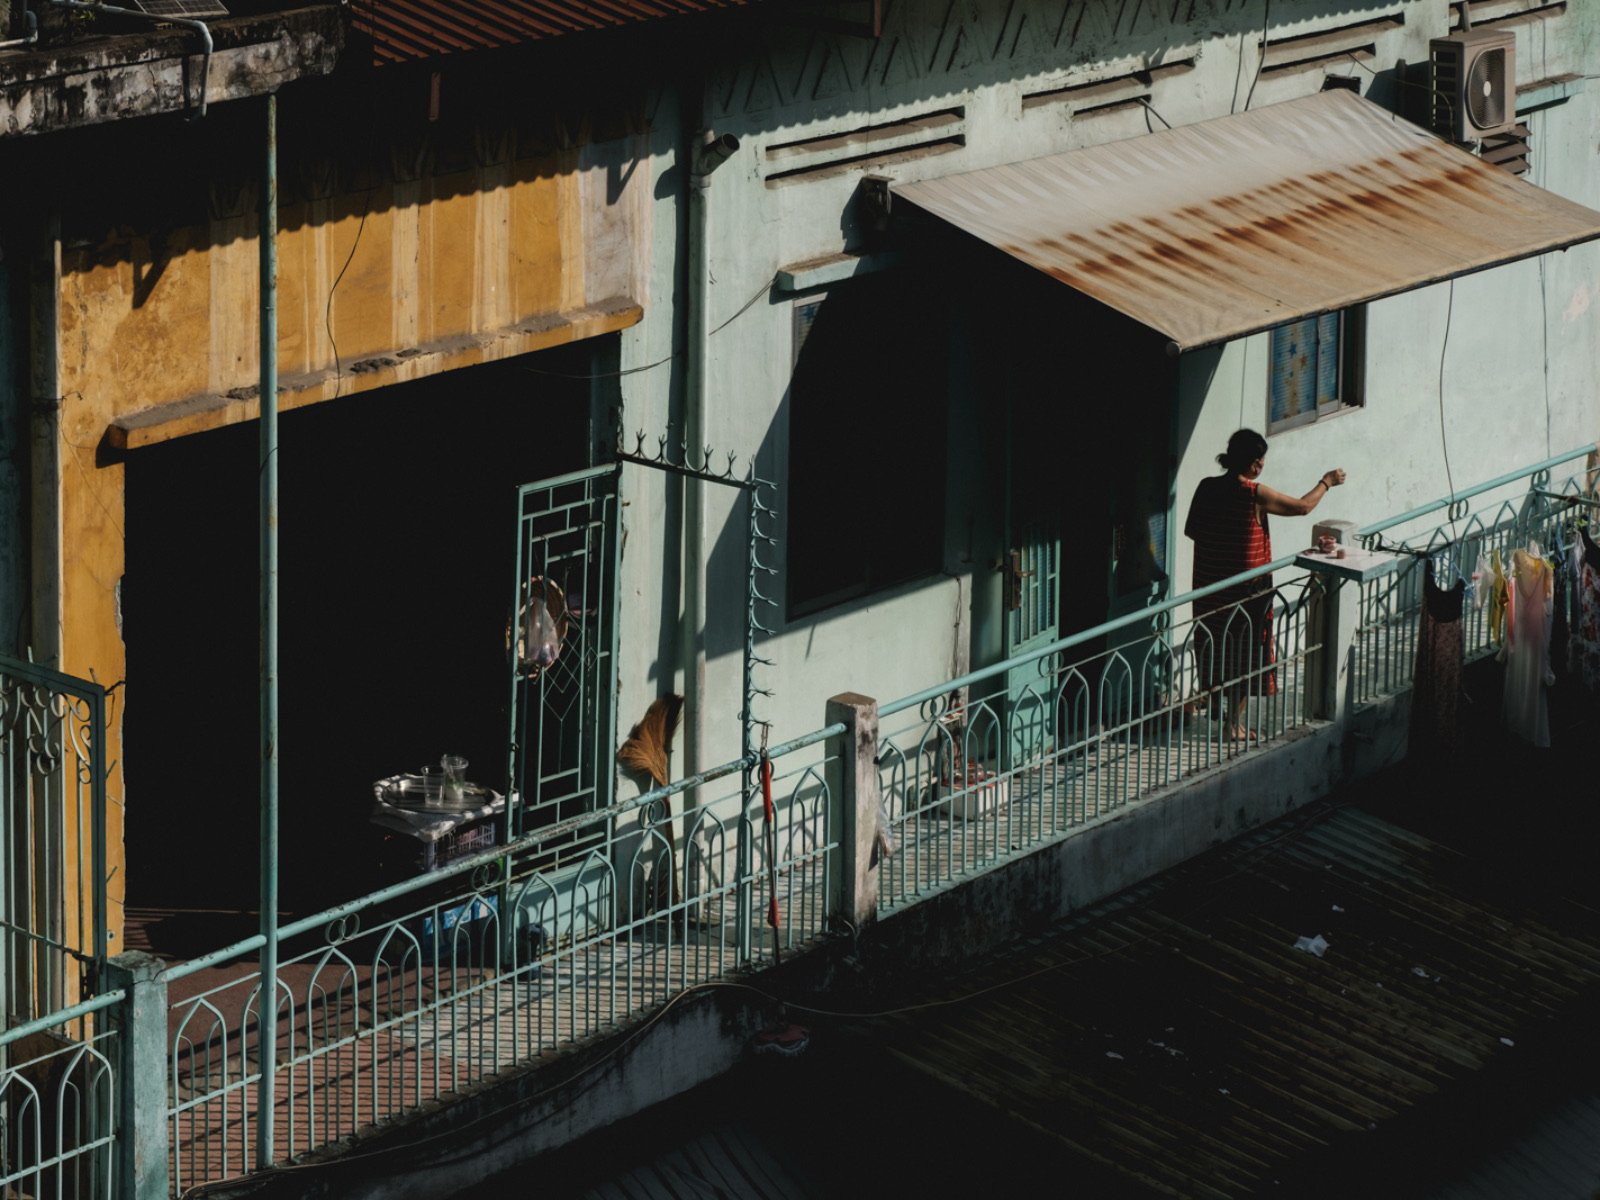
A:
(679, 458)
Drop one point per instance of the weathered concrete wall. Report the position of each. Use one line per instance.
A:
(471, 246)
(157, 70)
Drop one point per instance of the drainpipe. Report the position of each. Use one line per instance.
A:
(707, 151)
(267, 1017)
(188, 22)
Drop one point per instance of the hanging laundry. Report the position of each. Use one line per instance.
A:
(1482, 582)
(1436, 692)
(1499, 595)
(1583, 646)
(1526, 652)
(1560, 643)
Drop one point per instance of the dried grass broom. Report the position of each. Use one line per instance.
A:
(648, 749)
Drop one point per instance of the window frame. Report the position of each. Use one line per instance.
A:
(1352, 372)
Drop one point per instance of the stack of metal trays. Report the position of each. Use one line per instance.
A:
(414, 805)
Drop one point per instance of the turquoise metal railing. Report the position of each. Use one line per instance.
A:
(421, 989)
(59, 1103)
(1500, 514)
(52, 837)
(983, 768)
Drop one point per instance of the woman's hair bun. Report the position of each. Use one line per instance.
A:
(1244, 447)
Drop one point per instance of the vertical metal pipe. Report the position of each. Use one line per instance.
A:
(267, 1019)
(97, 822)
(745, 905)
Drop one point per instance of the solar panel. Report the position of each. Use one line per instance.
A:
(189, 9)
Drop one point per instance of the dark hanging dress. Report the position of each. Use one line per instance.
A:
(1234, 645)
(1436, 687)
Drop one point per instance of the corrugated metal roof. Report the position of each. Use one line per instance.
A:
(403, 30)
(1211, 231)
(1178, 1039)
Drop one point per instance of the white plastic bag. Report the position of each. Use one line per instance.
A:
(541, 643)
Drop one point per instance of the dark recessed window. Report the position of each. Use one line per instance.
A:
(867, 405)
(1314, 368)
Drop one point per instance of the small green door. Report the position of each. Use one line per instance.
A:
(1030, 587)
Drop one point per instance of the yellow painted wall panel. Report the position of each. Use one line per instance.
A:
(91, 567)
(363, 303)
(471, 253)
(535, 234)
(450, 246)
(130, 327)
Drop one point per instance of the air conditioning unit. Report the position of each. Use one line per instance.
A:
(1474, 84)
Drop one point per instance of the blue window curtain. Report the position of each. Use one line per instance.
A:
(1304, 366)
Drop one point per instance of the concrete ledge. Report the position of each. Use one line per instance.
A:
(158, 70)
(833, 268)
(196, 414)
(1120, 850)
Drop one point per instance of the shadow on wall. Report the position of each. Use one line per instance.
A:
(931, 50)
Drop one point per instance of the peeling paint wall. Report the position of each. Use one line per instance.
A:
(430, 261)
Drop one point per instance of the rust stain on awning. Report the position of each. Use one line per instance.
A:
(1212, 231)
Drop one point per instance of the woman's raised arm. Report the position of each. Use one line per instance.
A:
(1279, 505)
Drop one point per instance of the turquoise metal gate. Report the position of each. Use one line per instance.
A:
(52, 838)
(562, 639)
(563, 646)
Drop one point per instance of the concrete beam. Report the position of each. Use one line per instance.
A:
(148, 73)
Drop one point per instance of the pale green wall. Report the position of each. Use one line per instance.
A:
(983, 55)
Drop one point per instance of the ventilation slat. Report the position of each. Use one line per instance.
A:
(828, 154)
(1307, 50)
(854, 141)
(1100, 93)
(841, 166)
(1489, 14)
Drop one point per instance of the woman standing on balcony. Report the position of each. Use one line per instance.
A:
(1228, 521)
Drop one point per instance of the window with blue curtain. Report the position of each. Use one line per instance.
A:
(1307, 370)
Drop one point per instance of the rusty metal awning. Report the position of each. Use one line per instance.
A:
(1228, 227)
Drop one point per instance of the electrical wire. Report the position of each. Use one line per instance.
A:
(1238, 74)
(1261, 52)
(1444, 441)
(1544, 328)
(361, 227)
(327, 311)
(1544, 306)
(1151, 108)
(1421, 87)
(660, 362)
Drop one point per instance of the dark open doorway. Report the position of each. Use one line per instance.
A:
(396, 581)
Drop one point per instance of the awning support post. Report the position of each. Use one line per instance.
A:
(267, 1016)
